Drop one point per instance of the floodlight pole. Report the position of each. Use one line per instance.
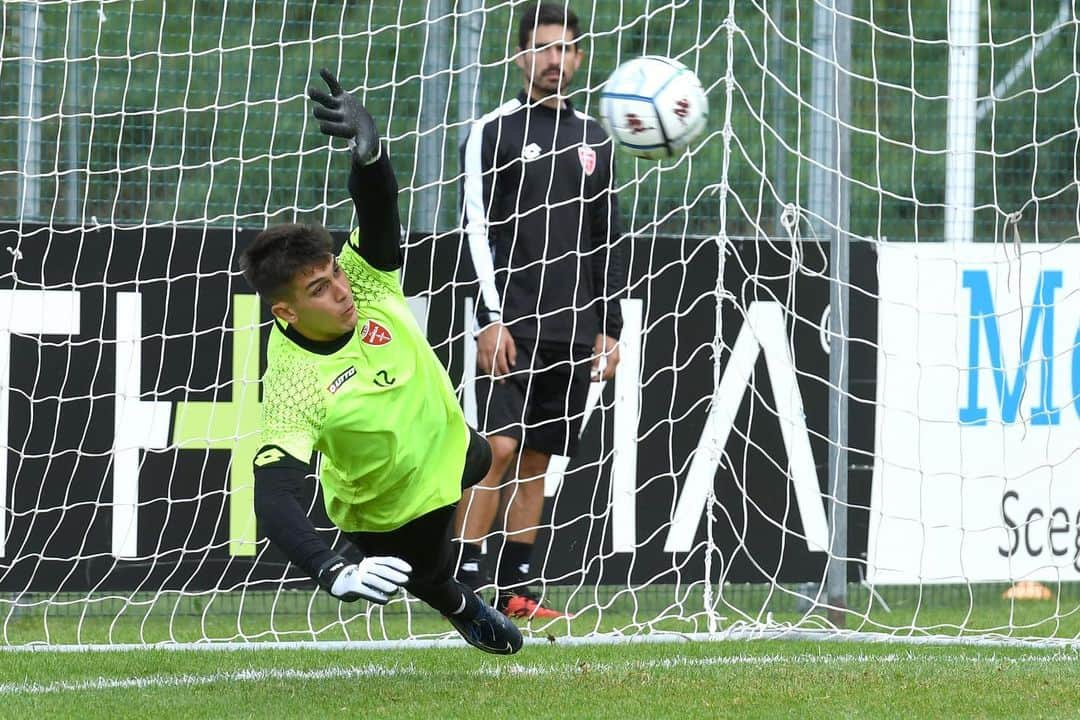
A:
(434, 113)
(828, 201)
(960, 126)
(28, 190)
(72, 92)
(467, 61)
(774, 11)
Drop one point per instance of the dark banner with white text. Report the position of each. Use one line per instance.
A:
(130, 362)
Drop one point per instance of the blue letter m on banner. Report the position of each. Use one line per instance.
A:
(983, 318)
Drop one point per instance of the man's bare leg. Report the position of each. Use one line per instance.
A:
(525, 505)
(478, 507)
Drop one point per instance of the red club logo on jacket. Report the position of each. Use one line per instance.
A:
(375, 334)
(587, 156)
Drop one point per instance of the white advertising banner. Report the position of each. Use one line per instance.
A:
(977, 447)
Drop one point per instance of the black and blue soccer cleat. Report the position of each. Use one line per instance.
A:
(490, 631)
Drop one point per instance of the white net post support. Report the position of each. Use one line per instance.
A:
(839, 310)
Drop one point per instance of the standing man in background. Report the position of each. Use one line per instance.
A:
(542, 224)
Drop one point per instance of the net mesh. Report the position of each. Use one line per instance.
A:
(142, 144)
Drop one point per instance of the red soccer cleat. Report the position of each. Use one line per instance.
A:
(526, 605)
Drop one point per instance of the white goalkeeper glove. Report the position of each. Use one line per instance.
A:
(376, 579)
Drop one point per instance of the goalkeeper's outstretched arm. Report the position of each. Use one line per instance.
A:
(374, 192)
(372, 184)
(279, 483)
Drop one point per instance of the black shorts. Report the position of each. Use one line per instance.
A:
(542, 402)
(424, 542)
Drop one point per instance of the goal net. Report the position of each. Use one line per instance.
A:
(797, 438)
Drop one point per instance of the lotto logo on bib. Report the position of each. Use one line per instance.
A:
(341, 379)
(375, 334)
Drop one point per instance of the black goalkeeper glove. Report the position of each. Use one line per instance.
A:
(342, 115)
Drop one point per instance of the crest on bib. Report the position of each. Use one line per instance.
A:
(587, 156)
(375, 334)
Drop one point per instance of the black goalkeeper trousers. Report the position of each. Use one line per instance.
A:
(425, 543)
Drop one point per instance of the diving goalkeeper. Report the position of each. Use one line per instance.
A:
(351, 375)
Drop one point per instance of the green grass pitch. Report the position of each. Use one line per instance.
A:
(552, 677)
(670, 680)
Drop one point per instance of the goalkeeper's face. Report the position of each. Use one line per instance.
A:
(550, 61)
(319, 303)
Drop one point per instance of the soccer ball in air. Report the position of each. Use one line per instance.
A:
(653, 106)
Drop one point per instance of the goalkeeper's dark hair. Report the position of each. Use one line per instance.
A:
(546, 13)
(278, 253)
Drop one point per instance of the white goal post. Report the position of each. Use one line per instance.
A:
(847, 401)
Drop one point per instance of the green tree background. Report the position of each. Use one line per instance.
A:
(193, 111)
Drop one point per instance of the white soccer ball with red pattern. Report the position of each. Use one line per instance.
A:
(653, 106)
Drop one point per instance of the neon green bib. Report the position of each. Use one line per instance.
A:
(381, 411)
